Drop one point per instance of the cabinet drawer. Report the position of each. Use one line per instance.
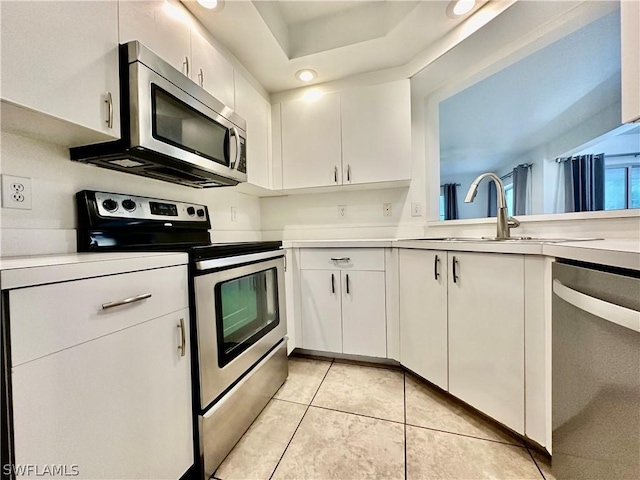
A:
(351, 259)
(50, 318)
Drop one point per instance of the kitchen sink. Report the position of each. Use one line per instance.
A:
(507, 240)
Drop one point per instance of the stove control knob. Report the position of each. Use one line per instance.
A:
(129, 205)
(201, 212)
(191, 211)
(110, 205)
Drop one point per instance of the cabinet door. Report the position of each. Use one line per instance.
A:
(251, 106)
(630, 51)
(364, 329)
(61, 59)
(423, 314)
(486, 334)
(321, 310)
(376, 133)
(117, 407)
(211, 70)
(311, 145)
(160, 26)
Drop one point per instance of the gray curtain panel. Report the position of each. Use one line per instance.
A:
(520, 174)
(450, 201)
(492, 204)
(584, 183)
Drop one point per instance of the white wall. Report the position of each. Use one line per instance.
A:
(49, 227)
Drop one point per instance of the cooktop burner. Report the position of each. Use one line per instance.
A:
(121, 222)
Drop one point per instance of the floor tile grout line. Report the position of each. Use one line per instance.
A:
(299, 423)
(404, 387)
(535, 462)
(467, 436)
(356, 414)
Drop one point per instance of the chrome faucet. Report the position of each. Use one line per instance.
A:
(504, 221)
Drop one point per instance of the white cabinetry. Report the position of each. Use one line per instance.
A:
(158, 26)
(251, 106)
(343, 301)
(376, 133)
(630, 50)
(486, 334)
(107, 389)
(311, 150)
(61, 59)
(423, 314)
(211, 70)
(358, 136)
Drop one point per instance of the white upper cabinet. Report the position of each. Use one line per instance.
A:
(158, 26)
(61, 59)
(630, 37)
(311, 148)
(376, 133)
(211, 70)
(251, 106)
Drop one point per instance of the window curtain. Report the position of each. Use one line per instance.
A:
(583, 183)
(492, 205)
(521, 190)
(450, 201)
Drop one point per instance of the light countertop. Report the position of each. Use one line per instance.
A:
(16, 272)
(347, 243)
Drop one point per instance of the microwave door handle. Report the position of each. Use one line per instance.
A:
(236, 161)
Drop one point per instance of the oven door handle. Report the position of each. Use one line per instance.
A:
(237, 260)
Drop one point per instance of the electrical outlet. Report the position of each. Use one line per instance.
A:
(16, 192)
(234, 214)
(386, 209)
(416, 209)
(342, 211)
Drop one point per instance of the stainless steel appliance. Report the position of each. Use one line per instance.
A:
(238, 320)
(596, 372)
(171, 128)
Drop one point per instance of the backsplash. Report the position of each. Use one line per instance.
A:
(49, 227)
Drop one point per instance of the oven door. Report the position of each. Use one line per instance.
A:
(166, 119)
(240, 316)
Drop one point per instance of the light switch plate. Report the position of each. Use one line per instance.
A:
(16, 192)
(416, 209)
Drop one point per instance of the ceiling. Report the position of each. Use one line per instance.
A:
(502, 119)
(337, 39)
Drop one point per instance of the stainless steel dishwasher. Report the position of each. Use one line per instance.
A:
(596, 372)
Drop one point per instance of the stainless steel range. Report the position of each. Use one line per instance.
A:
(237, 308)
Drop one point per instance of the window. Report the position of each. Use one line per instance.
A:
(441, 206)
(508, 193)
(622, 187)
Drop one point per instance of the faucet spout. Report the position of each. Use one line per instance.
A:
(503, 219)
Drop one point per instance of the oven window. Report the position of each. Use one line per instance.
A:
(247, 309)
(176, 123)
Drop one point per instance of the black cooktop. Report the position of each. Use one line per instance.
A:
(221, 250)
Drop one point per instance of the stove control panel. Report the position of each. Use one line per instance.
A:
(113, 205)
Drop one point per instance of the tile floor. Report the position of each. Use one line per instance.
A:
(345, 421)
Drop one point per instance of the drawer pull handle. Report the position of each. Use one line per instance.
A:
(183, 345)
(126, 301)
(340, 259)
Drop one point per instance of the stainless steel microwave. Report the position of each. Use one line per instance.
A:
(172, 129)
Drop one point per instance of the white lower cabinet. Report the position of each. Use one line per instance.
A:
(423, 314)
(343, 301)
(486, 334)
(117, 407)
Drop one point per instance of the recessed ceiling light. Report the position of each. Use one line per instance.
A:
(306, 75)
(208, 3)
(462, 7)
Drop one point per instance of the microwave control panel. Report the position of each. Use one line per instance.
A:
(242, 163)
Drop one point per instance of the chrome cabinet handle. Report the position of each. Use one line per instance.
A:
(201, 78)
(340, 259)
(435, 268)
(185, 64)
(347, 279)
(236, 161)
(109, 102)
(183, 344)
(348, 173)
(335, 174)
(333, 283)
(455, 274)
(126, 301)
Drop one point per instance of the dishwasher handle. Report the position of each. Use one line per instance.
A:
(625, 317)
